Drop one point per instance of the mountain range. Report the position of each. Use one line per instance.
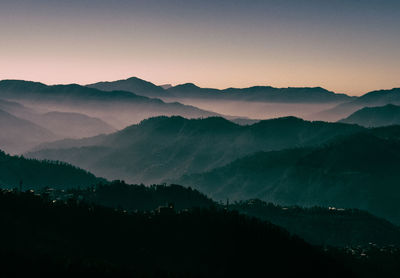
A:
(255, 93)
(19, 135)
(371, 99)
(317, 225)
(359, 170)
(259, 102)
(163, 148)
(117, 108)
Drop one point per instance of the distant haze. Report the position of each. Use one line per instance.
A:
(345, 46)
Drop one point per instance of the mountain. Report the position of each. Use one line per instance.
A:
(167, 147)
(371, 99)
(134, 197)
(117, 108)
(72, 239)
(325, 226)
(317, 225)
(260, 93)
(256, 102)
(134, 85)
(36, 174)
(19, 135)
(375, 116)
(357, 171)
(255, 93)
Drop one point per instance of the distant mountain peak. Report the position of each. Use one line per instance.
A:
(187, 86)
(166, 86)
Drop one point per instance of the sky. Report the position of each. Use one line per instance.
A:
(347, 46)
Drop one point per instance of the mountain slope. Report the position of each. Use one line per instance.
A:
(72, 125)
(375, 116)
(19, 135)
(162, 148)
(358, 171)
(317, 225)
(38, 174)
(64, 124)
(325, 226)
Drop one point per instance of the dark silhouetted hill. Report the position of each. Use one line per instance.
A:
(325, 226)
(36, 174)
(79, 239)
(375, 116)
(317, 225)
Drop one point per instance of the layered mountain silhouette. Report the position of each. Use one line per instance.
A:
(117, 108)
(167, 147)
(24, 127)
(255, 93)
(35, 174)
(260, 93)
(19, 135)
(72, 125)
(359, 171)
(371, 99)
(316, 225)
(375, 116)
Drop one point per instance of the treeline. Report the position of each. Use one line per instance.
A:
(35, 174)
(325, 226)
(317, 225)
(118, 194)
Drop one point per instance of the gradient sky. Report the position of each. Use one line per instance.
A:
(350, 46)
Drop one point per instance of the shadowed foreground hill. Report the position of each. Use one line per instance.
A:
(325, 226)
(38, 174)
(360, 171)
(163, 148)
(118, 194)
(317, 225)
(375, 116)
(70, 239)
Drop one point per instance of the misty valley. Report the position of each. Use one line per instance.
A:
(130, 179)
